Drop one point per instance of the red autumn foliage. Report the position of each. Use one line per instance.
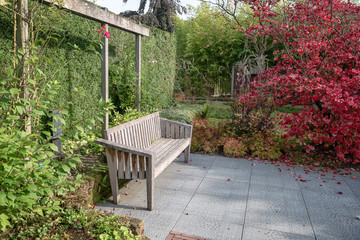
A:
(318, 69)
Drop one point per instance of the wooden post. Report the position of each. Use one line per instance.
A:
(138, 70)
(105, 77)
(22, 42)
(232, 81)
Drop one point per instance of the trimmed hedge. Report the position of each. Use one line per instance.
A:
(83, 70)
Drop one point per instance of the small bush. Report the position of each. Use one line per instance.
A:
(262, 146)
(233, 147)
(204, 137)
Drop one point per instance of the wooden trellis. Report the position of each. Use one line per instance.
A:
(104, 17)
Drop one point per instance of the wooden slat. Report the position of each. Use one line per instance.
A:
(127, 165)
(112, 163)
(134, 167)
(182, 132)
(121, 167)
(132, 136)
(137, 136)
(151, 130)
(168, 131)
(121, 141)
(163, 133)
(187, 132)
(172, 129)
(142, 167)
(177, 131)
(142, 135)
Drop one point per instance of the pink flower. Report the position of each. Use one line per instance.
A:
(103, 27)
(107, 34)
(99, 30)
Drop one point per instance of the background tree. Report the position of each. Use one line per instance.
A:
(208, 46)
(159, 14)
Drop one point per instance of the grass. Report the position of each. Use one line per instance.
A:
(219, 112)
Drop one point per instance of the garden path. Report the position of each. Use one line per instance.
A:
(228, 198)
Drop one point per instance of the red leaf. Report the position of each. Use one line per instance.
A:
(229, 180)
(338, 183)
(340, 193)
(353, 177)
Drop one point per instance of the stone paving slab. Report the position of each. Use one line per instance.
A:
(215, 197)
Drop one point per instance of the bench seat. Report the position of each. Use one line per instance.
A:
(166, 150)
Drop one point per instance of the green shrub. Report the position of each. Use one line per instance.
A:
(129, 115)
(72, 224)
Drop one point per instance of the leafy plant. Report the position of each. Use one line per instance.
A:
(204, 113)
(70, 223)
(318, 70)
(31, 175)
(130, 114)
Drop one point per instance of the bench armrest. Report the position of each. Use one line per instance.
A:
(124, 148)
(164, 123)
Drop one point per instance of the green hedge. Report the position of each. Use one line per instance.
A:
(83, 70)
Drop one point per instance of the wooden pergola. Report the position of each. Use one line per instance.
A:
(104, 17)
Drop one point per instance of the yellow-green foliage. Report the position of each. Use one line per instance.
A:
(264, 147)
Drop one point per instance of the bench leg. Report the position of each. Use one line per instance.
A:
(150, 185)
(112, 162)
(187, 154)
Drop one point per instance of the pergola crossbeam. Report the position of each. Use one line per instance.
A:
(90, 11)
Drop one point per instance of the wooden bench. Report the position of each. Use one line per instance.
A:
(143, 148)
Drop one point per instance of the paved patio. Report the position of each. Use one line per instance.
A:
(227, 198)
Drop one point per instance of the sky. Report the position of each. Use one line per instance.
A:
(117, 6)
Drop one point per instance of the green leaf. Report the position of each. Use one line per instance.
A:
(53, 147)
(4, 222)
(3, 198)
(39, 211)
(20, 109)
(78, 127)
(65, 168)
(14, 91)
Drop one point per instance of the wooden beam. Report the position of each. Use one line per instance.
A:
(138, 71)
(105, 77)
(22, 42)
(90, 11)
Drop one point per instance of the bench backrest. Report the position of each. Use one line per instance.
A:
(139, 133)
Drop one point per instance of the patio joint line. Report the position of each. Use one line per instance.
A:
(207, 170)
(306, 207)
(247, 200)
(356, 196)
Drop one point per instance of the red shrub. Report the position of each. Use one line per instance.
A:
(318, 69)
